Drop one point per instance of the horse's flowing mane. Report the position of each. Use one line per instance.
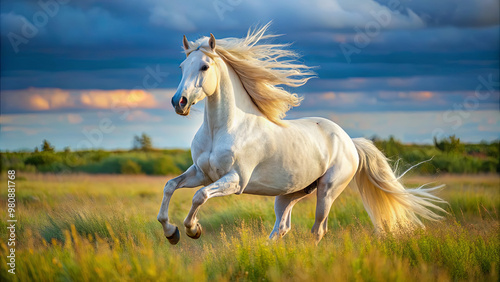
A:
(262, 68)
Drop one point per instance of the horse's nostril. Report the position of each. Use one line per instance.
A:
(183, 101)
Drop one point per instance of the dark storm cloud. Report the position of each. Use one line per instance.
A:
(463, 13)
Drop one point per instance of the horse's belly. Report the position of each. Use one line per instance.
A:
(273, 189)
(263, 189)
(276, 180)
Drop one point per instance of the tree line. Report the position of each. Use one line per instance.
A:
(448, 155)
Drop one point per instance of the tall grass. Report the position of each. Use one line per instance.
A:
(88, 228)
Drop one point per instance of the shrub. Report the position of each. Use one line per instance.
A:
(41, 159)
(130, 167)
(165, 166)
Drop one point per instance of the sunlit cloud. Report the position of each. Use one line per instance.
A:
(50, 100)
(410, 95)
(421, 96)
(328, 96)
(37, 99)
(36, 102)
(101, 99)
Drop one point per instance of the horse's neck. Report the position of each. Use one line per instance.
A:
(230, 104)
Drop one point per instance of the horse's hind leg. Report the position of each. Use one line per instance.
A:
(283, 205)
(330, 185)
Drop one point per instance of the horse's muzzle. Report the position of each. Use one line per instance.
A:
(181, 105)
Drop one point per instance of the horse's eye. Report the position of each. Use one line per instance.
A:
(204, 67)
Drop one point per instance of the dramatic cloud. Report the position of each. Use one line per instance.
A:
(464, 13)
(111, 99)
(36, 100)
(53, 99)
(109, 44)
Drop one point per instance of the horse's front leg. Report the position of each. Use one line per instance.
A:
(227, 185)
(193, 177)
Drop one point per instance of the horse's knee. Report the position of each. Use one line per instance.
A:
(169, 187)
(200, 197)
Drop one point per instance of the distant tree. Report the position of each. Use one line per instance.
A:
(147, 143)
(143, 142)
(36, 150)
(67, 149)
(46, 147)
(450, 145)
(136, 143)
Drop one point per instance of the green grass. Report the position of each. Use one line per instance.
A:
(100, 227)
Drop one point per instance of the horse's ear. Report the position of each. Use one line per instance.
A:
(211, 42)
(185, 43)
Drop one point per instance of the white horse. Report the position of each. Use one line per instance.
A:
(244, 145)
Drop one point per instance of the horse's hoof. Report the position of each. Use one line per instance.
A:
(198, 232)
(174, 239)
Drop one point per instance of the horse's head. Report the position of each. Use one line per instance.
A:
(199, 76)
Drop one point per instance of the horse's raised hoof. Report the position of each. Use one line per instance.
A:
(198, 232)
(174, 239)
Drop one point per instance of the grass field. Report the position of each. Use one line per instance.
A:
(104, 228)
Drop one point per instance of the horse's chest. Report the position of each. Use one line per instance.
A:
(215, 164)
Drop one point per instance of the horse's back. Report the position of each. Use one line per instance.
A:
(321, 129)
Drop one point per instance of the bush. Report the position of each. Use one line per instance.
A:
(41, 159)
(165, 166)
(130, 167)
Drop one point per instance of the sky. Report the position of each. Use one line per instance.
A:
(92, 74)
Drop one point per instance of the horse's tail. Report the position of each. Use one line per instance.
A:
(389, 205)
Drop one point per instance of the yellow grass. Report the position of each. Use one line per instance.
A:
(103, 227)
